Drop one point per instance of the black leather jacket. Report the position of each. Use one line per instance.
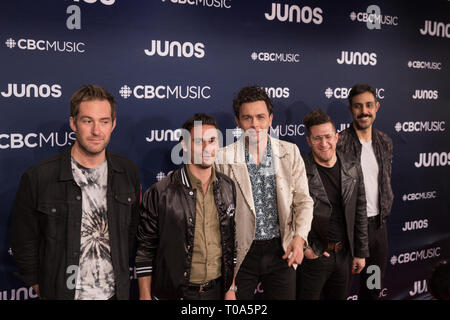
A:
(165, 237)
(354, 201)
(348, 143)
(46, 223)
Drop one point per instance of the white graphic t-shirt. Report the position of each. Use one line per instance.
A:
(95, 279)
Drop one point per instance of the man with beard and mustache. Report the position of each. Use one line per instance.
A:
(186, 235)
(75, 214)
(374, 150)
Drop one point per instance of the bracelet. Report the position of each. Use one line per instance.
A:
(233, 288)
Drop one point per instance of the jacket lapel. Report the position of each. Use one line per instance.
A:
(241, 176)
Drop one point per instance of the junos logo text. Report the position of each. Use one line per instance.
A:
(294, 13)
(277, 92)
(425, 94)
(419, 288)
(358, 58)
(164, 135)
(32, 90)
(433, 159)
(415, 225)
(176, 48)
(435, 29)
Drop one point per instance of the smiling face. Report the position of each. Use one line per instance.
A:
(364, 109)
(255, 120)
(322, 140)
(93, 127)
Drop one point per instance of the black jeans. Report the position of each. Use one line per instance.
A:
(327, 275)
(264, 263)
(214, 293)
(378, 250)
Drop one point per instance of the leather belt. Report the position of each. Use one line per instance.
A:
(204, 286)
(335, 246)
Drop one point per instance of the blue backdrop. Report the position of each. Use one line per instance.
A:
(165, 60)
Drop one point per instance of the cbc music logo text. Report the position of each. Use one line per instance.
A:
(433, 159)
(32, 90)
(46, 45)
(358, 58)
(420, 196)
(430, 65)
(294, 13)
(36, 140)
(226, 4)
(166, 92)
(161, 175)
(275, 57)
(420, 126)
(435, 29)
(423, 254)
(342, 93)
(176, 49)
(373, 18)
(421, 94)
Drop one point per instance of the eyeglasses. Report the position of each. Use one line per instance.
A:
(317, 139)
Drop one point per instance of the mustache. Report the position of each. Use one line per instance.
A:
(362, 115)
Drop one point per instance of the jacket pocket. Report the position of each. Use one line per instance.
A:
(124, 201)
(50, 217)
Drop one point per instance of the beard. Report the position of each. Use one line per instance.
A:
(89, 150)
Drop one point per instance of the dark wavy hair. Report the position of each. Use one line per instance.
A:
(251, 94)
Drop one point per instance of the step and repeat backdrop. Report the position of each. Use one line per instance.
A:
(165, 60)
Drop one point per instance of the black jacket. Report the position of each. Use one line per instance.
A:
(46, 223)
(354, 201)
(348, 143)
(165, 238)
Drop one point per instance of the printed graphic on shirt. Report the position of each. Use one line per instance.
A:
(95, 275)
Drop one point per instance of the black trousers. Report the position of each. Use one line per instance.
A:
(264, 263)
(324, 275)
(378, 250)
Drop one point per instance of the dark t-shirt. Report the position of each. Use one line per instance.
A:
(331, 180)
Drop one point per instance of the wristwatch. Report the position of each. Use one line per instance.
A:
(233, 288)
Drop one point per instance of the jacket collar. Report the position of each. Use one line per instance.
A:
(185, 177)
(278, 150)
(65, 170)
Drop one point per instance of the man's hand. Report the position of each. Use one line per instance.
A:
(36, 289)
(358, 264)
(230, 295)
(309, 254)
(295, 251)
